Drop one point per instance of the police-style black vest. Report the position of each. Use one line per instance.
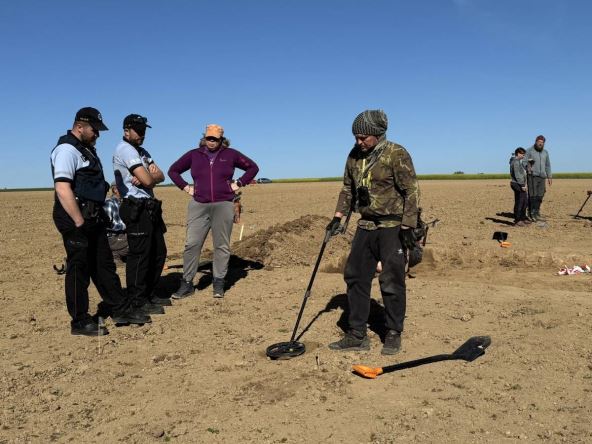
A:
(89, 182)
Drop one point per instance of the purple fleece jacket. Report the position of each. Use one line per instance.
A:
(212, 179)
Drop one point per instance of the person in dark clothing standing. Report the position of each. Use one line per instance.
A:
(136, 175)
(80, 191)
(538, 165)
(519, 186)
(116, 228)
(380, 183)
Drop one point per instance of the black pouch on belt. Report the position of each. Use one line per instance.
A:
(136, 207)
(154, 208)
(90, 210)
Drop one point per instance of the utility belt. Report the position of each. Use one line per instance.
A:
(91, 211)
(137, 206)
(152, 206)
(378, 219)
(114, 233)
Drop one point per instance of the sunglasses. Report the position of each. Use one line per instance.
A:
(212, 139)
(140, 119)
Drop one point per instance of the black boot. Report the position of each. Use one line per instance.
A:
(539, 216)
(88, 327)
(185, 290)
(131, 315)
(165, 302)
(218, 284)
(351, 342)
(151, 309)
(392, 343)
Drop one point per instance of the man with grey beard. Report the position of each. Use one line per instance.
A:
(538, 167)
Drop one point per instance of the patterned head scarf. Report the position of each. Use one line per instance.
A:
(372, 122)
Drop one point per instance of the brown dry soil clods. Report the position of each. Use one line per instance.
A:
(199, 374)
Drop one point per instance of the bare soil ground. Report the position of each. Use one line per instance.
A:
(199, 373)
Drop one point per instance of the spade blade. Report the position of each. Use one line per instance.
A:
(500, 236)
(473, 348)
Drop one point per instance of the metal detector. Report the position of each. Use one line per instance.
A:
(469, 351)
(293, 348)
(582, 207)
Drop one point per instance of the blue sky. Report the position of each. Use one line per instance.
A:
(463, 82)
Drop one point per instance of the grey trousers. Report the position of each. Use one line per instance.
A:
(538, 187)
(201, 217)
(119, 246)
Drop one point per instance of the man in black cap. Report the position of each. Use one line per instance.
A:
(136, 175)
(80, 191)
(380, 183)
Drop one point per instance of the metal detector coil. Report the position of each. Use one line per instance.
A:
(285, 350)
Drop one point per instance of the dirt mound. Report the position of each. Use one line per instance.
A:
(296, 242)
(443, 258)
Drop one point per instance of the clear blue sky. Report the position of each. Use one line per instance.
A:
(463, 82)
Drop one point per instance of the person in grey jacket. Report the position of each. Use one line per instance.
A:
(518, 185)
(538, 165)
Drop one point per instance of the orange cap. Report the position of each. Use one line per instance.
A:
(214, 130)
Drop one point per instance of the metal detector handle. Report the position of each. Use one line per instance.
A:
(343, 228)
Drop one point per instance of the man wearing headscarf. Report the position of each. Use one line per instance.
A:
(539, 170)
(380, 183)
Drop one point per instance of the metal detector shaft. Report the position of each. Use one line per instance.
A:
(308, 289)
(328, 235)
(582, 207)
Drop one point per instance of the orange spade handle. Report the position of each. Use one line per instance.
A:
(367, 372)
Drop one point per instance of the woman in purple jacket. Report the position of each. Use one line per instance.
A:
(212, 167)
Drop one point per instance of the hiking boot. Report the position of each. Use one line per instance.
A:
(165, 302)
(218, 284)
(527, 221)
(520, 223)
(131, 316)
(349, 342)
(87, 327)
(186, 289)
(392, 343)
(99, 319)
(151, 309)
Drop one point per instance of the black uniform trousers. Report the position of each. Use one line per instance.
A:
(369, 247)
(147, 250)
(520, 202)
(89, 257)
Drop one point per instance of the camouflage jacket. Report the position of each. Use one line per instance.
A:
(388, 173)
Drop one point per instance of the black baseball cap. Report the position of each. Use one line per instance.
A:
(92, 116)
(135, 121)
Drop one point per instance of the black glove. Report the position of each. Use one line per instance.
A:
(407, 237)
(334, 225)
